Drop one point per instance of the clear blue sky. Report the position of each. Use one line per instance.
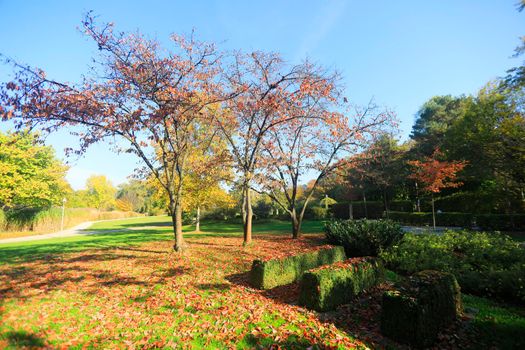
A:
(399, 52)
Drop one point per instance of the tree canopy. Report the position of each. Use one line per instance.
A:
(30, 173)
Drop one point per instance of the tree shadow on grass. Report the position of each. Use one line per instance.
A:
(48, 249)
(61, 274)
(22, 339)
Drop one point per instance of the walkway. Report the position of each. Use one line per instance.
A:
(70, 232)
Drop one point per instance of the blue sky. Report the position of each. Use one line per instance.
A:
(399, 52)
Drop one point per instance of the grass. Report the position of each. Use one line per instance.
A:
(125, 287)
(141, 294)
(500, 326)
(135, 231)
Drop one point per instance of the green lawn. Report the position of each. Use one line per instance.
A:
(124, 287)
(501, 326)
(136, 231)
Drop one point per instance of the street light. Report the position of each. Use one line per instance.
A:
(63, 211)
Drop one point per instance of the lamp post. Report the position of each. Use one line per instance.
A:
(63, 212)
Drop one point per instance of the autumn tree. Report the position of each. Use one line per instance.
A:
(148, 96)
(30, 173)
(133, 195)
(436, 175)
(100, 192)
(381, 166)
(206, 170)
(265, 85)
(312, 144)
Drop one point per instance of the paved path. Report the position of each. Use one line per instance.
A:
(79, 230)
(425, 229)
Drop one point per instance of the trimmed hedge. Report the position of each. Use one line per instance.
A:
(442, 219)
(503, 222)
(327, 287)
(374, 209)
(363, 237)
(416, 312)
(277, 272)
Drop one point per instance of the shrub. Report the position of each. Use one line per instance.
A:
(363, 237)
(319, 213)
(419, 309)
(442, 219)
(327, 287)
(484, 264)
(277, 272)
(262, 210)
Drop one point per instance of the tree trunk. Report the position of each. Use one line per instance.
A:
(176, 218)
(433, 213)
(243, 206)
(351, 211)
(296, 224)
(198, 220)
(248, 216)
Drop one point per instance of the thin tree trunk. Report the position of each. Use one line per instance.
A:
(386, 202)
(176, 217)
(248, 216)
(198, 220)
(364, 201)
(179, 245)
(418, 204)
(433, 213)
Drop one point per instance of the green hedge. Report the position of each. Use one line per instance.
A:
(374, 209)
(485, 264)
(419, 309)
(277, 272)
(363, 237)
(327, 287)
(503, 222)
(442, 219)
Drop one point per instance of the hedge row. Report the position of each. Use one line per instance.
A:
(370, 210)
(442, 219)
(418, 310)
(327, 287)
(503, 222)
(277, 272)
